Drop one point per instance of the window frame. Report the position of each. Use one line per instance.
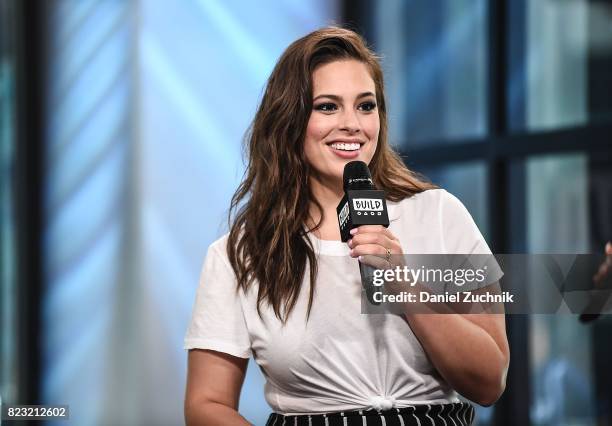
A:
(506, 180)
(27, 189)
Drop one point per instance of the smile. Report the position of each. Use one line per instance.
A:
(346, 146)
(347, 150)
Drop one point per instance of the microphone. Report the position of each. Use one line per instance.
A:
(362, 204)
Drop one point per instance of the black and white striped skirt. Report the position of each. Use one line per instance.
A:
(454, 414)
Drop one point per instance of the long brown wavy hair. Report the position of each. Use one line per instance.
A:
(267, 241)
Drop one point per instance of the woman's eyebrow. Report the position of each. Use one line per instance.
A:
(339, 98)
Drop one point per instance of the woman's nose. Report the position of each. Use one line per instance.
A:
(350, 121)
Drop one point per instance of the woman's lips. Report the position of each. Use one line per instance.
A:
(344, 154)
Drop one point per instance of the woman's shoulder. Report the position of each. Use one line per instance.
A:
(218, 248)
(425, 199)
(220, 243)
(431, 206)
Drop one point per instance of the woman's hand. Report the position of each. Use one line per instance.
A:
(605, 268)
(374, 245)
(591, 312)
(377, 247)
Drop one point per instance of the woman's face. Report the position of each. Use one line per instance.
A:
(344, 121)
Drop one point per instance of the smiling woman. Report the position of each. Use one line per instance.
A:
(344, 123)
(324, 362)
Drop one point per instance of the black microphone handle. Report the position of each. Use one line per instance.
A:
(367, 284)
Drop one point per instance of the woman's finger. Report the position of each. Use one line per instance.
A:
(375, 238)
(373, 229)
(375, 262)
(368, 249)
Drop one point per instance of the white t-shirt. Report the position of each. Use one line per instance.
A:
(340, 360)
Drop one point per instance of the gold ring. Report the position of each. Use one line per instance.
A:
(388, 254)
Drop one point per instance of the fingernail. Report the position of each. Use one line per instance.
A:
(354, 231)
(350, 243)
(360, 258)
(352, 252)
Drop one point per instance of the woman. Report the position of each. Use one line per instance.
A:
(271, 288)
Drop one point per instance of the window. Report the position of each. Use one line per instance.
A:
(435, 69)
(506, 104)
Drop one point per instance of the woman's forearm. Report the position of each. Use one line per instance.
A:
(464, 353)
(213, 414)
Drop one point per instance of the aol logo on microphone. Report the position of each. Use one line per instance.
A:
(344, 214)
(368, 206)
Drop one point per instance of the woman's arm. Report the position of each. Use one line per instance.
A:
(214, 381)
(469, 350)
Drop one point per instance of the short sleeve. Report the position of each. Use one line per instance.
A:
(460, 235)
(217, 321)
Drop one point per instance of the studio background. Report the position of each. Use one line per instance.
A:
(121, 126)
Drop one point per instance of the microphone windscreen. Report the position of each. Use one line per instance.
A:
(357, 176)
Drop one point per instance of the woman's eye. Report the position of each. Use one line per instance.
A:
(327, 107)
(367, 106)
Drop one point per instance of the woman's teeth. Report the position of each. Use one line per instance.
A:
(346, 146)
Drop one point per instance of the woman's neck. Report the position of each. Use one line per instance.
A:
(328, 193)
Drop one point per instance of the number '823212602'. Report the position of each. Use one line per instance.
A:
(23, 412)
